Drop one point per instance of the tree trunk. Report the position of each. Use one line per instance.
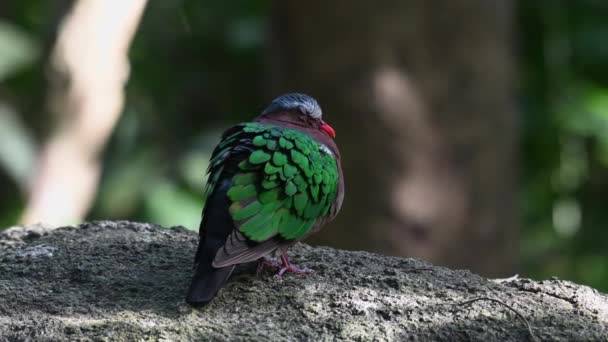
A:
(91, 67)
(421, 95)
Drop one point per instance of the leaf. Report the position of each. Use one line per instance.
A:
(18, 49)
(18, 147)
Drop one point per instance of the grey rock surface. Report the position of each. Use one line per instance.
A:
(125, 281)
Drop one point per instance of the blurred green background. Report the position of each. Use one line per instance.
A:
(199, 66)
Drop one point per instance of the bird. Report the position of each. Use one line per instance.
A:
(271, 182)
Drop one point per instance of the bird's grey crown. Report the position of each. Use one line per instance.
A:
(301, 102)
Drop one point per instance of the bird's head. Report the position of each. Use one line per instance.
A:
(299, 109)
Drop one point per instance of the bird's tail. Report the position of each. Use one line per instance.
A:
(206, 283)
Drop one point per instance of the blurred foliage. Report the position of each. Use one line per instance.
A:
(199, 66)
(18, 49)
(564, 93)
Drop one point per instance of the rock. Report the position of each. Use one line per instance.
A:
(127, 281)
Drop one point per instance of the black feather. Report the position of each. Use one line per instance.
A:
(215, 228)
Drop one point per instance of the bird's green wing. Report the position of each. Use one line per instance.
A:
(286, 182)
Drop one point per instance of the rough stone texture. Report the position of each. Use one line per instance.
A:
(126, 281)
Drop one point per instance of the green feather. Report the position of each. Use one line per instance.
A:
(303, 146)
(241, 192)
(270, 169)
(244, 178)
(326, 177)
(299, 228)
(268, 184)
(253, 128)
(299, 158)
(265, 232)
(303, 228)
(289, 171)
(259, 157)
(259, 141)
(299, 202)
(306, 169)
(269, 196)
(282, 187)
(280, 217)
(313, 210)
(290, 188)
(299, 181)
(276, 132)
(261, 227)
(270, 208)
(282, 176)
(279, 158)
(271, 145)
(286, 144)
(239, 213)
(246, 166)
(289, 224)
(288, 202)
(314, 191)
(254, 225)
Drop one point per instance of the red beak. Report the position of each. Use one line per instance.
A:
(327, 129)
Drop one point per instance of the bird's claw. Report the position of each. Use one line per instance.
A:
(287, 267)
(292, 269)
(281, 267)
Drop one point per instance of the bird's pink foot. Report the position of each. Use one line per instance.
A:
(292, 269)
(287, 267)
